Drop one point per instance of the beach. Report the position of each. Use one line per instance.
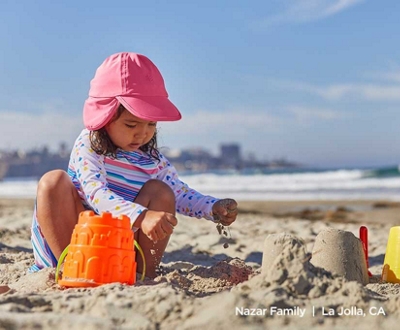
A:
(203, 284)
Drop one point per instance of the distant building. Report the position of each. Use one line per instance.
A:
(230, 156)
(194, 159)
(33, 163)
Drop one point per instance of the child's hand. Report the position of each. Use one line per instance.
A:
(225, 211)
(157, 225)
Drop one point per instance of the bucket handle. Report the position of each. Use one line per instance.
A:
(60, 261)
(65, 252)
(143, 258)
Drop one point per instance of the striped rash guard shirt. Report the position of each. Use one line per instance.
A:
(107, 184)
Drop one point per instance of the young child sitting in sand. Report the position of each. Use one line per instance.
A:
(115, 167)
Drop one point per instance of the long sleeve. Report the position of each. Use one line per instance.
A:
(188, 201)
(88, 172)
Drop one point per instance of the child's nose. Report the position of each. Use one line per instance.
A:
(141, 132)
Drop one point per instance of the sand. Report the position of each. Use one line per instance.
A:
(204, 285)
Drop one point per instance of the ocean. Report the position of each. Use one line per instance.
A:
(274, 185)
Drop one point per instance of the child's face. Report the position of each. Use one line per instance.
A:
(129, 132)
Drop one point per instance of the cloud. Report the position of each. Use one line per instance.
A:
(303, 11)
(393, 76)
(247, 125)
(304, 113)
(233, 122)
(369, 92)
(26, 131)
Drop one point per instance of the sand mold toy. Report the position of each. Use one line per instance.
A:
(101, 251)
(391, 264)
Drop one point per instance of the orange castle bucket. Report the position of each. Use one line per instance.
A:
(101, 251)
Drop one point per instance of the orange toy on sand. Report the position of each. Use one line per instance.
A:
(101, 251)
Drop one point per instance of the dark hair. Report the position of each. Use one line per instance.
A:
(101, 143)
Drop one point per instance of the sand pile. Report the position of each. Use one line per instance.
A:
(202, 281)
(291, 284)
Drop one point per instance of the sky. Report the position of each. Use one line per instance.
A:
(312, 81)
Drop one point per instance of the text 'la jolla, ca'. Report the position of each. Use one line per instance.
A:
(348, 311)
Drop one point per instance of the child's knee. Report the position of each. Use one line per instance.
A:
(159, 189)
(52, 180)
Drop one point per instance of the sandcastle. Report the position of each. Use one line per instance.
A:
(336, 251)
(340, 252)
(274, 245)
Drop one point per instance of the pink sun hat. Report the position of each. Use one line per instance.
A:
(135, 82)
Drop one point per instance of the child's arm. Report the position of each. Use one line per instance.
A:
(88, 168)
(191, 202)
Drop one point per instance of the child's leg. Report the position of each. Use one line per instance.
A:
(157, 196)
(58, 208)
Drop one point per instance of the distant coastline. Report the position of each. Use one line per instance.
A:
(34, 163)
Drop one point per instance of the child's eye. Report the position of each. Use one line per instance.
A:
(153, 124)
(130, 126)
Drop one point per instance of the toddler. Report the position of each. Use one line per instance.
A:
(115, 167)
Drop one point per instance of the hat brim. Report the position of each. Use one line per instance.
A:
(152, 108)
(97, 111)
